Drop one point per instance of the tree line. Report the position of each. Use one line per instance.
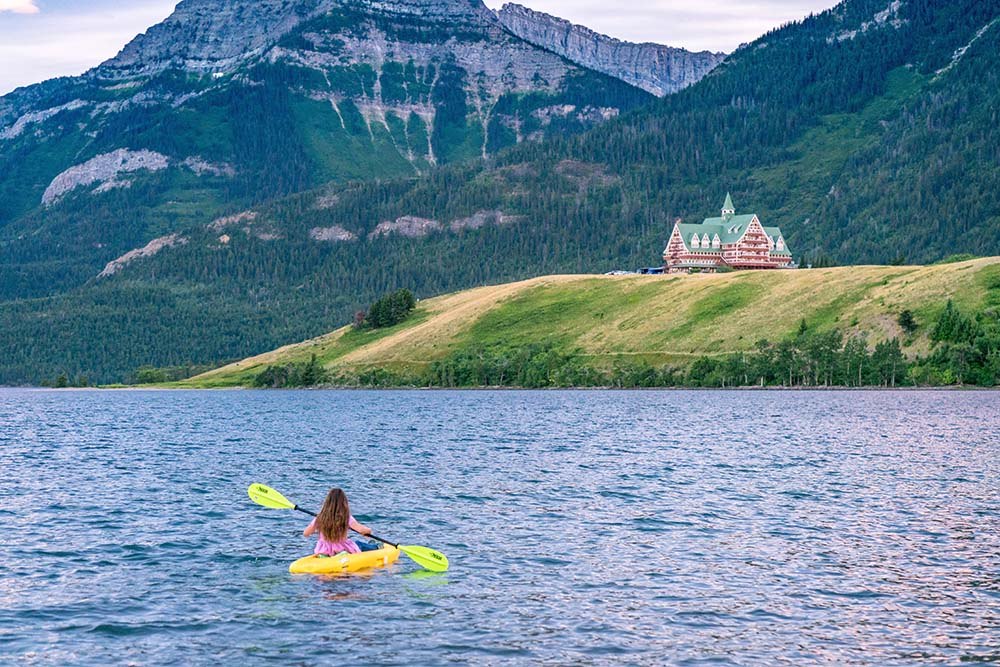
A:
(965, 351)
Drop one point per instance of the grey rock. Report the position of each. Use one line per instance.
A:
(202, 167)
(210, 36)
(348, 49)
(220, 224)
(481, 219)
(409, 226)
(335, 234)
(327, 201)
(467, 12)
(218, 35)
(887, 17)
(654, 68)
(33, 117)
(150, 249)
(103, 169)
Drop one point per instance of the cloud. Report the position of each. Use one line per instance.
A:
(66, 43)
(19, 6)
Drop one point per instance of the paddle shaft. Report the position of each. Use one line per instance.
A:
(378, 539)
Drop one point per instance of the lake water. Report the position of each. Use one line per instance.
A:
(583, 527)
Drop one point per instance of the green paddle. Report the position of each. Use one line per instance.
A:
(435, 561)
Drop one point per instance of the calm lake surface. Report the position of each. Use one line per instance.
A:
(583, 527)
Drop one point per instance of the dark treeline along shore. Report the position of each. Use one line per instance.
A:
(871, 326)
(965, 351)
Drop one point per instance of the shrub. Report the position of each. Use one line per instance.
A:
(390, 310)
(954, 259)
(908, 322)
(287, 376)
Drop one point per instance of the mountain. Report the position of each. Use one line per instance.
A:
(604, 329)
(867, 133)
(657, 69)
(227, 104)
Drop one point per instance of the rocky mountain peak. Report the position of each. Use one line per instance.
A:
(655, 68)
(210, 35)
(465, 10)
(218, 35)
(387, 87)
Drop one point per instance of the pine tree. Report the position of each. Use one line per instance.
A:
(908, 322)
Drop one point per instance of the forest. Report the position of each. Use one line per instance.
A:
(965, 352)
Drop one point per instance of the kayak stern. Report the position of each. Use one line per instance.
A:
(345, 563)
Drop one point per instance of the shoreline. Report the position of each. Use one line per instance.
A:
(928, 388)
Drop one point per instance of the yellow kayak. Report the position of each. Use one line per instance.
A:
(345, 562)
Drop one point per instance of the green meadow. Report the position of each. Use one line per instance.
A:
(658, 320)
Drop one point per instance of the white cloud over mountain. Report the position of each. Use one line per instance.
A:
(19, 6)
(69, 39)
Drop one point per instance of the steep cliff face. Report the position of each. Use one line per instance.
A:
(210, 36)
(218, 35)
(657, 69)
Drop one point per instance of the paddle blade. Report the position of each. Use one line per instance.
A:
(268, 497)
(435, 561)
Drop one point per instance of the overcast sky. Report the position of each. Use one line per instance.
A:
(41, 39)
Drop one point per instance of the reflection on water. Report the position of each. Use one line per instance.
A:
(647, 527)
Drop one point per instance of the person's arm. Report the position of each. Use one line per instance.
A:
(310, 529)
(360, 527)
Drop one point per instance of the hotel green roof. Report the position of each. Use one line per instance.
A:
(729, 229)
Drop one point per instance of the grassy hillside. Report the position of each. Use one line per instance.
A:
(660, 320)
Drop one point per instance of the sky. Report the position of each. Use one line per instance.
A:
(41, 39)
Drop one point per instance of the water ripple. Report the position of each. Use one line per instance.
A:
(690, 528)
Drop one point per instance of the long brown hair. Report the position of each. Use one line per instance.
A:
(334, 519)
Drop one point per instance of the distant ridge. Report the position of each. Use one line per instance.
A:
(655, 68)
(218, 35)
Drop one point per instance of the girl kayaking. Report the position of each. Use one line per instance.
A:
(332, 524)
